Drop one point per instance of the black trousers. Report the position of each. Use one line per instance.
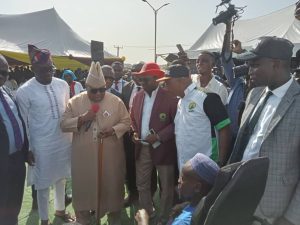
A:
(12, 179)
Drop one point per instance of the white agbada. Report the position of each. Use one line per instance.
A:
(42, 107)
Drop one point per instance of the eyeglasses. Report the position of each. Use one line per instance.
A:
(4, 73)
(95, 90)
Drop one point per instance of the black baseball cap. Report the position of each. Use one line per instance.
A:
(269, 47)
(175, 71)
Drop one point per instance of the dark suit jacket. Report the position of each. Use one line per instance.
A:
(161, 121)
(281, 144)
(126, 93)
(114, 92)
(12, 176)
(4, 142)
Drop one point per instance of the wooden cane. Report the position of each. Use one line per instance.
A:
(99, 179)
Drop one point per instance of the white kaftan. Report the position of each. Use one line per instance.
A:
(42, 107)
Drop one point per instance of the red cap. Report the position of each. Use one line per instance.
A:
(151, 69)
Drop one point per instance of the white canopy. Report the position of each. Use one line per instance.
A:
(45, 29)
(281, 23)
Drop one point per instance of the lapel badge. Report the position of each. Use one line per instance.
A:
(162, 117)
(192, 106)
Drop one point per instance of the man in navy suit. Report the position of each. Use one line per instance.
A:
(13, 153)
(108, 73)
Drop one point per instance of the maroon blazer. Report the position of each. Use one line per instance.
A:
(161, 121)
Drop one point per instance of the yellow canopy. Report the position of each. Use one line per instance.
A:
(60, 62)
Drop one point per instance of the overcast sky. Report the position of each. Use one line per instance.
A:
(130, 23)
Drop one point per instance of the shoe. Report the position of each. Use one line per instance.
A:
(130, 200)
(66, 217)
(68, 200)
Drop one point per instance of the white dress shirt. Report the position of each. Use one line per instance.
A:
(147, 109)
(213, 86)
(120, 84)
(256, 139)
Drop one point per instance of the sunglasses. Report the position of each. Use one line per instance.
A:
(4, 73)
(144, 79)
(49, 69)
(95, 90)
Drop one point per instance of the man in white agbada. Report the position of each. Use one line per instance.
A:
(42, 102)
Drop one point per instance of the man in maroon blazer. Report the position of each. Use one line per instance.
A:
(152, 114)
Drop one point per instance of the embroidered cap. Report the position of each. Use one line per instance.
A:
(205, 167)
(95, 78)
(39, 56)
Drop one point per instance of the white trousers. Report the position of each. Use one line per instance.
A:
(59, 199)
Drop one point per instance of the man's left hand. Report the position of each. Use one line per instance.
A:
(151, 138)
(282, 221)
(107, 132)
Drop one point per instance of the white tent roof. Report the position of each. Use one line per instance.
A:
(45, 29)
(281, 23)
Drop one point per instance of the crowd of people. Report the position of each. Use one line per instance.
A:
(159, 130)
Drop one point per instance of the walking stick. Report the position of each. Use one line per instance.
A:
(99, 179)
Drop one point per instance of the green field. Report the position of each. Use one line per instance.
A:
(28, 217)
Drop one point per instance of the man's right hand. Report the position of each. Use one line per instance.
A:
(88, 116)
(30, 159)
(142, 217)
(135, 138)
(237, 47)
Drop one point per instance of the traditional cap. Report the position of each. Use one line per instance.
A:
(151, 69)
(205, 167)
(69, 72)
(39, 56)
(175, 71)
(95, 78)
(3, 64)
(269, 47)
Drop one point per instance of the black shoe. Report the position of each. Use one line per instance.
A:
(68, 200)
(130, 200)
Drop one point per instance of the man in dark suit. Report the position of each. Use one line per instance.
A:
(152, 114)
(108, 73)
(128, 93)
(270, 127)
(13, 153)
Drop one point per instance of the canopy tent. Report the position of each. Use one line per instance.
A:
(281, 23)
(45, 29)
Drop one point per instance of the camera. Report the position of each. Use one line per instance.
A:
(240, 71)
(231, 12)
(223, 17)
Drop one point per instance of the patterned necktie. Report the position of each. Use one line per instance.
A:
(14, 122)
(252, 123)
(116, 85)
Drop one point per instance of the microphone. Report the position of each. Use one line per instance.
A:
(95, 108)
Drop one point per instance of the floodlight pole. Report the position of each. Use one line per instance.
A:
(155, 25)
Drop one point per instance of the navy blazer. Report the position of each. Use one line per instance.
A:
(4, 141)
